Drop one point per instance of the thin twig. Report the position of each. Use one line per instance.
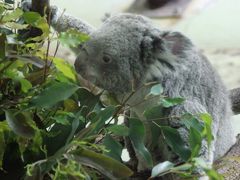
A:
(46, 59)
(5, 67)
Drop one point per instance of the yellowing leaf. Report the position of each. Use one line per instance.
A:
(73, 38)
(14, 25)
(12, 16)
(25, 85)
(65, 68)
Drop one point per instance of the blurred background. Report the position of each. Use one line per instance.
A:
(212, 25)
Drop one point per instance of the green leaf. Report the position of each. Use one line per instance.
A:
(190, 121)
(2, 46)
(70, 105)
(12, 16)
(174, 140)
(155, 112)
(161, 168)
(75, 124)
(155, 90)
(65, 68)
(183, 167)
(2, 144)
(58, 134)
(36, 20)
(101, 118)
(114, 148)
(106, 165)
(9, 1)
(195, 141)
(214, 175)
(87, 100)
(25, 85)
(136, 134)
(199, 162)
(72, 38)
(20, 124)
(61, 117)
(2, 9)
(169, 102)
(207, 119)
(119, 130)
(32, 18)
(58, 91)
(14, 25)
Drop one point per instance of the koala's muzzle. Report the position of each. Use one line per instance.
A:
(85, 70)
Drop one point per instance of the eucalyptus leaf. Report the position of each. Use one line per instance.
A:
(195, 141)
(9, 1)
(19, 124)
(12, 16)
(161, 168)
(155, 112)
(14, 25)
(87, 100)
(101, 118)
(169, 102)
(65, 68)
(214, 175)
(136, 134)
(207, 119)
(174, 140)
(120, 130)
(114, 148)
(51, 95)
(191, 121)
(72, 38)
(106, 165)
(182, 167)
(156, 115)
(155, 90)
(36, 20)
(25, 85)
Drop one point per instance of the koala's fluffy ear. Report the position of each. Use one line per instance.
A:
(176, 42)
(164, 46)
(151, 45)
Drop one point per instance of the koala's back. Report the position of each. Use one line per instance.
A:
(195, 79)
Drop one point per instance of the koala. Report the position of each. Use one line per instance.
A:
(128, 51)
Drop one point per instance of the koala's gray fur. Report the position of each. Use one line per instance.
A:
(127, 51)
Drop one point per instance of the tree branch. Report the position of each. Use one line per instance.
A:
(235, 98)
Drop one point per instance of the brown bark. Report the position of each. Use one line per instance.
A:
(235, 98)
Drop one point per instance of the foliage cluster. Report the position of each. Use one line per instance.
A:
(52, 128)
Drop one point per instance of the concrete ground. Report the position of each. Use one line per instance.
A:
(213, 26)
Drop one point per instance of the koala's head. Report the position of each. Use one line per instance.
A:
(119, 53)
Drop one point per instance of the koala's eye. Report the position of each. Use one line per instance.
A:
(106, 59)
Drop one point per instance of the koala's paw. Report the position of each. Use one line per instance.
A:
(26, 5)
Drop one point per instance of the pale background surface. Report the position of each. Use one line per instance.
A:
(213, 26)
